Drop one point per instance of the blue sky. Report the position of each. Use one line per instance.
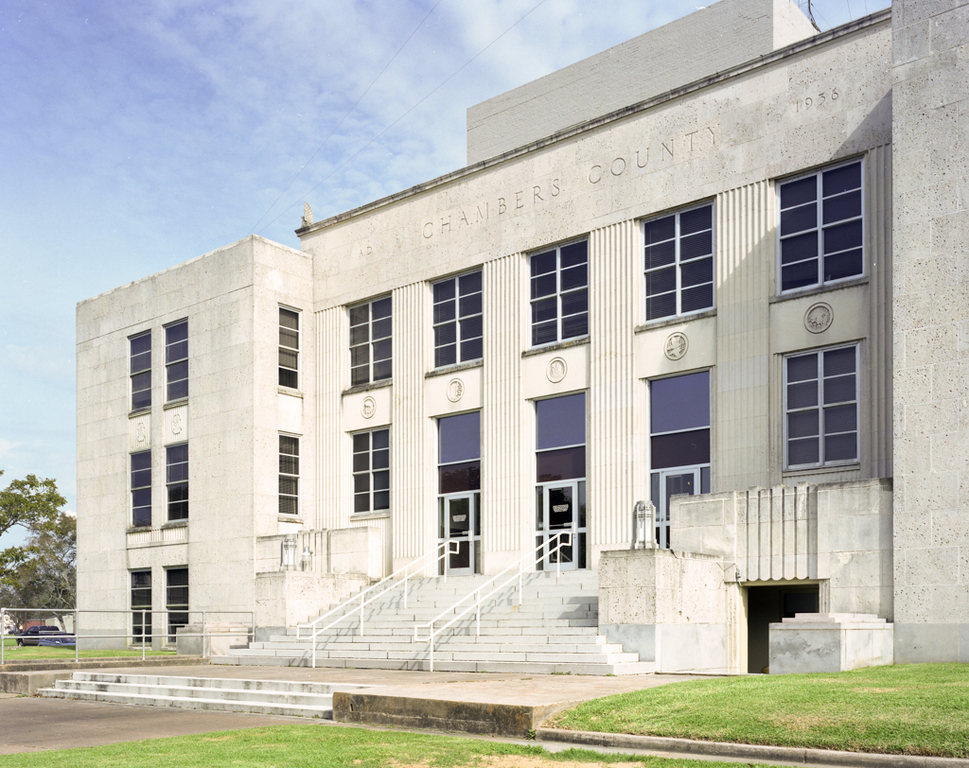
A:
(138, 134)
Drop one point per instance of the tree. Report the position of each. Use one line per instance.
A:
(41, 573)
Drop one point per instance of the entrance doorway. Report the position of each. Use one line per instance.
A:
(460, 533)
(675, 482)
(772, 604)
(561, 510)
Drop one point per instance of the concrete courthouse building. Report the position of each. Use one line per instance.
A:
(723, 267)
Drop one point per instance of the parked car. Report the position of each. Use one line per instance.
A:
(45, 635)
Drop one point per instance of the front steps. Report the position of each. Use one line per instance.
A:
(267, 697)
(554, 631)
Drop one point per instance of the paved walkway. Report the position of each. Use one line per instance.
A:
(34, 724)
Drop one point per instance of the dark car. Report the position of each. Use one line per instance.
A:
(44, 635)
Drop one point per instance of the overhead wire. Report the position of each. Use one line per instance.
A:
(345, 116)
(411, 109)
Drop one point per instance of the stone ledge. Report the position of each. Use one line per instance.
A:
(27, 677)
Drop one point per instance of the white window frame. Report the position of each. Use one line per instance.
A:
(170, 484)
(370, 342)
(289, 496)
(820, 227)
(139, 378)
(173, 364)
(459, 320)
(679, 264)
(370, 472)
(819, 407)
(560, 295)
(288, 355)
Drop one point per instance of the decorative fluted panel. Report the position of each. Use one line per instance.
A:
(411, 500)
(614, 481)
(333, 496)
(745, 249)
(879, 236)
(506, 520)
(778, 533)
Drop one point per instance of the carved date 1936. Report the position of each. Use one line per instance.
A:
(819, 100)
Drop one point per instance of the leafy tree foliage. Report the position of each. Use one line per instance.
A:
(41, 572)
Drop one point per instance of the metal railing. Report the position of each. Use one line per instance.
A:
(398, 578)
(128, 635)
(562, 539)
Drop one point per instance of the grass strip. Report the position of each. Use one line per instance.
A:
(913, 709)
(13, 653)
(293, 746)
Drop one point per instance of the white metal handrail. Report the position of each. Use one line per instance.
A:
(378, 590)
(562, 539)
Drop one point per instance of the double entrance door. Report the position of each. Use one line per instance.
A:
(676, 481)
(560, 510)
(459, 533)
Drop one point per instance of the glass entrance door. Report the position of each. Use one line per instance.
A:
(561, 509)
(460, 533)
(687, 481)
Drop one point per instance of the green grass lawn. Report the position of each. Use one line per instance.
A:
(320, 746)
(13, 652)
(916, 709)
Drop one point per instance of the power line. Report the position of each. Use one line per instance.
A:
(411, 109)
(342, 119)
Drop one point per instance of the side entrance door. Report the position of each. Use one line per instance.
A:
(460, 533)
(561, 510)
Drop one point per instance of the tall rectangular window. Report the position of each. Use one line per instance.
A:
(821, 405)
(141, 606)
(560, 490)
(370, 341)
(288, 475)
(459, 492)
(679, 263)
(140, 370)
(679, 441)
(176, 479)
(560, 293)
(457, 320)
(371, 471)
(822, 228)
(176, 600)
(176, 360)
(288, 348)
(141, 488)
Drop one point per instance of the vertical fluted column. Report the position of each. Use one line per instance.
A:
(615, 479)
(333, 497)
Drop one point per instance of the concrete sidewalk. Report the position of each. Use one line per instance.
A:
(33, 724)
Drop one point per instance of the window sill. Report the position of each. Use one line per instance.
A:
(138, 528)
(854, 466)
(382, 514)
(175, 524)
(290, 392)
(289, 518)
(664, 322)
(816, 289)
(139, 412)
(367, 387)
(447, 370)
(556, 346)
(175, 403)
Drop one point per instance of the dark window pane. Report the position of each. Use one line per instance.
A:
(839, 389)
(841, 447)
(803, 452)
(381, 309)
(802, 395)
(799, 219)
(839, 361)
(575, 302)
(802, 368)
(799, 275)
(799, 248)
(680, 403)
(696, 272)
(460, 437)
(842, 237)
(445, 355)
(694, 246)
(846, 206)
(660, 255)
(360, 314)
(359, 334)
(799, 192)
(575, 253)
(288, 378)
(543, 263)
(381, 438)
(381, 500)
(680, 449)
(575, 277)
(471, 327)
(575, 326)
(445, 334)
(544, 333)
(841, 179)
(696, 220)
(695, 299)
(560, 421)
(470, 305)
(660, 281)
(472, 350)
(661, 306)
(444, 290)
(841, 418)
(382, 370)
(562, 464)
(802, 424)
(844, 265)
(544, 310)
(470, 283)
(658, 230)
(545, 285)
(460, 478)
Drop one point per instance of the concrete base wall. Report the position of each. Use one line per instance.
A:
(925, 643)
(829, 643)
(286, 598)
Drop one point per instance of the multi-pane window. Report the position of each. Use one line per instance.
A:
(371, 471)
(141, 606)
(560, 492)
(821, 405)
(176, 600)
(140, 370)
(459, 491)
(370, 341)
(457, 320)
(679, 263)
(141, 488)
(176, 360)
(288, 475)
(288, 348)
(679, 409)
(176, 480)
(821, 228)
(560, 293)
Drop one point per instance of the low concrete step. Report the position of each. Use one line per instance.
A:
(204, 693)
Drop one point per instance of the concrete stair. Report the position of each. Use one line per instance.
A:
(554, 630)
(268, 697)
